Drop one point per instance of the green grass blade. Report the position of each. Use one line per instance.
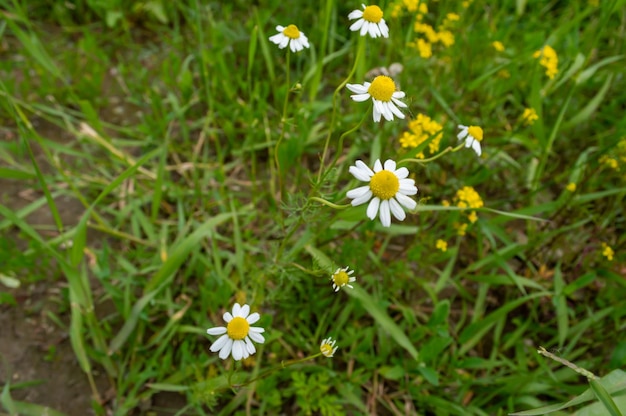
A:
(604, 397)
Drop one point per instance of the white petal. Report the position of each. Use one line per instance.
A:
(402, 173)
(376, 115)
(357, 25)
(218, 330)
(386, 110)
(476, 147)
(359, 98)
(407, 187)
(405, 201)
(283, 42)
(398, 102)
(277, 38)
(365, 28)
(245, 311)
(396, 210)
(253, 318)
(372, 208)
(280, 28)
(395, 110)
(398, 94)
(390, 165)
(256, 337)
(238, 347)
(357, 88)
(378, 166)
(384, 29)
(237, 310)
(227, 317)
(226, 349)
(355, 14)
(362, 198)
(250, 346)
(374, 30)
(219, 344)
(468, 141)
(357, 192)
(385, 216)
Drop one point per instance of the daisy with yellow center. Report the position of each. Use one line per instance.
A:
(327, 347)
(237, 336)
(383, 92)
(472, 135)
(370, 20)
(291, 36)
(388, 190)
(342, 277)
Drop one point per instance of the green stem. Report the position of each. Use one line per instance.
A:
(283, 124)
(359, 53)
(328, 203)
(448, 149)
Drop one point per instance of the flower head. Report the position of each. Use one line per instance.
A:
(236, 336)
(530, 116)
(571, 187)
(498, 46)
(342, 277)
(327, 347)
(370, 20)
(548, 59)
(467, 197)
(388, 187)
(422, 128)
(291, 36)
(607, 251)
(383, 92)
(472, 135)
(441, 245)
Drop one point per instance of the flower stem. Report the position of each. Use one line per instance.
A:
(283, 124)
(437, 156)
(331, 128)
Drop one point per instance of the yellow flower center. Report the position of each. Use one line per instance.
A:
(382, 88)
(373, 14)
(341, 278)
(476, 132)
(238, 328)
(292, 32)
(326, 349)
(384, 184)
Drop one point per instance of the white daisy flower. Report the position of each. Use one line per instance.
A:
(342, 277)
(388, 186)
(370, 20)
(236, 336)
(291, 36)
(472, 135)
(384, 95)
(327, 347)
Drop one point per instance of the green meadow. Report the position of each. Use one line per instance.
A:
(312, 208)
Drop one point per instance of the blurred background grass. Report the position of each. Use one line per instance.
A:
(138, 185)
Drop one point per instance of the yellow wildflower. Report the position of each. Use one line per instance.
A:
(610, 162)
(571, 187)
(467, 197)
(441, 245)
(548, 59)
(420, 130)
(424, 48)
(460, 228)
(445, 203)
(530, 116)
(607, 251)
(497, 45)
(446, 37)
(427, 30)
(472, 217)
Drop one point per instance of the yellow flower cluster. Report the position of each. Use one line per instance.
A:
(427, 35)
(420, 130)
(618, 159)
(607, 251)
(441, 245)
(571, 187)
(530, 116)
(467, 197)
(548, 59)
(498, 46)
(411, 6)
